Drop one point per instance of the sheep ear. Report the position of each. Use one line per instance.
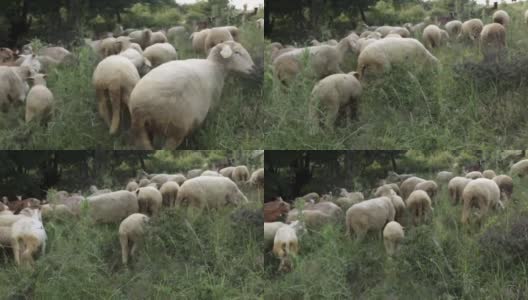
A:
(355, 74)
(226, 52)
(148, 63)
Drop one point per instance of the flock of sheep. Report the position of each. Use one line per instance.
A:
(399, 200)
(377, 49)
(138, 72)
(21, 221)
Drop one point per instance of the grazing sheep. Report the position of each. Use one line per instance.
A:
(131, 232)
(59, 54)
(159, 179)
(112, 207)
(28, 235)
(13, 85)
(429, 186)
(270, 228)
(444, 177)
(113, 79)
(31, 61)
(453, 28)
(227, 172)
(178, 178)
(408, 185)
(286, 245)
(482, 193)
(392, 236)
(169, 192)
(160, 53)
(144, 182)
(142, 64)
(210, 173)
(210, 192)
(492, 40)
(456, 187)
(505, 184)
(520, 168)
(141, 37)
(490, 174)
(434, 37)
(338, 92)
(379, 56)
(174, 99)
(149, 200)
(501, 17)
(369, 215)
(157, 37)
(6, 55)
(471, 29)
(176, 33)
(198, 39)
(275, 210)
(419, 206)
(132, 186)
(313, 219)
(194, 173)
(474, 175)
(216, 36)
(234, 31)
(257, 178)
(110, 46)
(385, 30)
(240, 174)
(277, 50)
(346, 199)
(39, 100)
(387, 190)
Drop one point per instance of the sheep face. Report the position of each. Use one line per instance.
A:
(236, 58)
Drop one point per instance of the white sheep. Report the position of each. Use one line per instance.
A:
(471, 29)
(59, 54)
(505, 184)
(381, 55)
(157, 37)
(399, 206)
(169, 193)
(286, 244)
(337, 92)
(385, 30)
(160, 53)
(209, 192)
(408, 185)
(131, 232)
(270, 228)
(434, 37)
(234, 31)
(39, 101)
(210, 173)
(444, 176)
(453, 28)
(216, 36)
(492, 40)
(490, 174)
(429, 186)
(178, 178)
(194, 173)
(144, 182)
(393, 235)
(142, 37)
(132, 186)
(149, 200)
(13, 85)
(474, 175)
(227, 172)
(369, 215)
(455, 187)
(520, 168)
(112, 207)
(240, 174)
(482, 193)
(419, 206)
(501, 17)
(113, 79)
(198, 39)
(142, 64)
(174, 99)
(28, 235)
(176, 33)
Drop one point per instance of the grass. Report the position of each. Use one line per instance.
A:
(463, 104)
(76, 124)
(214, 255)
(441, 260)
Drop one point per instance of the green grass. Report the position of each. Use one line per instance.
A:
(442, 260)
(208, 256)
(464, 104)
(76, 124)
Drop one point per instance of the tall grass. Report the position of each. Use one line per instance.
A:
(440, 260)
(76, 124)
(464, 104)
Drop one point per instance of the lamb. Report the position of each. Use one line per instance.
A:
(520, 168)
(381, 55)
(113, 79)
(216, 36)
(39, 102)
(131, 231)
(286, 245)
(198, 39)
(408, 185)
(419, 206)
(149, 200)
(444, 177)
(160, 53)
(453, 28)
(456, 187)
(142, 37)
(474, 175)
(112, 207)
(429, 186)
(392, 236)
(338, 92)
(210, 192)
(385, 30)
(157, 37)
(13, 86)
(240, 174)
(169, 192)
(173, 99)
(369, 215)
(270, 228)
(482, 193)
(505, 184)
(492, 40)
(501, 17)
(227, 172)
(28, 235)
(142, 64)
(490, 174)
(471, 29)
(434, 37)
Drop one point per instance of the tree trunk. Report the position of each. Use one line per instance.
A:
(19, 25)
(362, 14)
(267, 19)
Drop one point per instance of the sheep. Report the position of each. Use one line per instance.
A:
(216, 36)
(57, 53)
(112, 207)
(132, 186)
(227, 172)
(369, 215)
(178, 178)
(399, 206)
(455, 187)
(385, 30)
(408, 185)
(270, 228)
(393, 35)
(260, 24)
(144, 182)
(13, 85)
(113, 79)
(209, 192)
(159, 179)
(453, 28)
(474, 175)
(444, 177)
(483, 193)
(141, 37)
(142, 64)
(311, 197)
(492, 40)
(176, 33)
(31, 61)
(240, 174)
(277, 50)
(194, 173)
(286, 245)
(110, 46)
(338, 92)
(346, 199)
(392, 236)
(419, 206)
(505, 184)
(429, 186)
(210, 173)
(490, 174)
(28, 235)
(131, 231)
(434, 37)
(313, 219)
(383, 189)
(157, 37)
(471, 29)
(173, 99)
(160, 53)
(149, 200)
(381, 55)
(169, 192)
(39, 101)
(257, 178)
(275, 210)
(501, 17)
(6, 55)
(4, 210)
(520, 168)
(198, 39)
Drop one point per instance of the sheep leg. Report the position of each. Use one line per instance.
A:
(16, 250)
(133, 250)
(116, 110)
(123, 239)
(465, 211)
(332, 112)
(173, 142)
(103, 108)
(142, 139)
